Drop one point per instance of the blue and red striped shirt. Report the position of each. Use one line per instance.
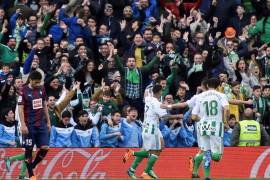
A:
(33, 101)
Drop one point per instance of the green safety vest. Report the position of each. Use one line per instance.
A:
(250, 133)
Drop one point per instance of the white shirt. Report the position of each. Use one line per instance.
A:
(152, 110)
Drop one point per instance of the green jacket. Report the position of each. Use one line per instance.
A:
(6, 54)
(258, 29)
(108, 107)
(144, 69)
(169, 81)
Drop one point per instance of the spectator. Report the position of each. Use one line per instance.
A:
(262, 26)
(145, 10)
(108, 105)
(8, 129)
(241, 20)
(266, 97)
(176, 135)
(237, 101)
(9, 53)
(133, 80)
(228, 131)
(249, 132)
(55, 110)
(131, 129)
(110, 21)
(61, 133)
(111, 136)
(85, 134)
(196, 73)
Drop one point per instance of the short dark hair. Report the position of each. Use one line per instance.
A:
(5, 111)
(213, 83)
(235, 83)
(114, 112)
(35, 75)
(82, 113)
(48, 97)
(204, 82)
(157, 88)
(232, 116)
(256, 87)
(5, 65)
(223, 72)
(107, 93)
(132, 108)
(66, 114)
(266, 87)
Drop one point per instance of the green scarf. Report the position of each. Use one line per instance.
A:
(133, 76)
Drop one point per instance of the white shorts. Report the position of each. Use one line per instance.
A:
(213, 143)
(152, 141)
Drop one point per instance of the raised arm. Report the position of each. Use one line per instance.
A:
(119, 64)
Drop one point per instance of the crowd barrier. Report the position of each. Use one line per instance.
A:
(100, 163)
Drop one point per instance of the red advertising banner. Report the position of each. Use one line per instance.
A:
(100, 163)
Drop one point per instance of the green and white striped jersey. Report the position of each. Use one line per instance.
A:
(209, 107)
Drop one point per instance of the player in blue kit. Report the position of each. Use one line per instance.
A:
(35, 122)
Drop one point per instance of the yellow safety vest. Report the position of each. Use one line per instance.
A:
(250, 133)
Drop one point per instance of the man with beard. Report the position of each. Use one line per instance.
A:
(9, 53)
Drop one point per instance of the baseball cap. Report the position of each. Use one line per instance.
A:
(230, 32)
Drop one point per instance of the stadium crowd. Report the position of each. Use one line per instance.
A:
(100, 58)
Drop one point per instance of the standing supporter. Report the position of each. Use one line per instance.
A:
(111, 22)
(196, 73)
(237, 101)
(133, 79)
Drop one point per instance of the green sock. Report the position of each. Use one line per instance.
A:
(136, 163)
(151, 161)
(141, 153)
(18, 157)
(23, 169)
(197, 162)
(216, 157)
(206, 171)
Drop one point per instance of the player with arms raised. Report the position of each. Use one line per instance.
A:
(212, 112)
(153, 142)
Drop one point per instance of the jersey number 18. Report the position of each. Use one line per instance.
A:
(211, 108)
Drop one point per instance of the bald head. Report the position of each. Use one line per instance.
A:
(248, 113)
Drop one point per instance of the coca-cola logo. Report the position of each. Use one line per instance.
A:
(258, 163)
(68, 163)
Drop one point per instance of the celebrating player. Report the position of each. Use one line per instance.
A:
(209, 110)
(35, 122)
(196, 161)
(152, 139)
